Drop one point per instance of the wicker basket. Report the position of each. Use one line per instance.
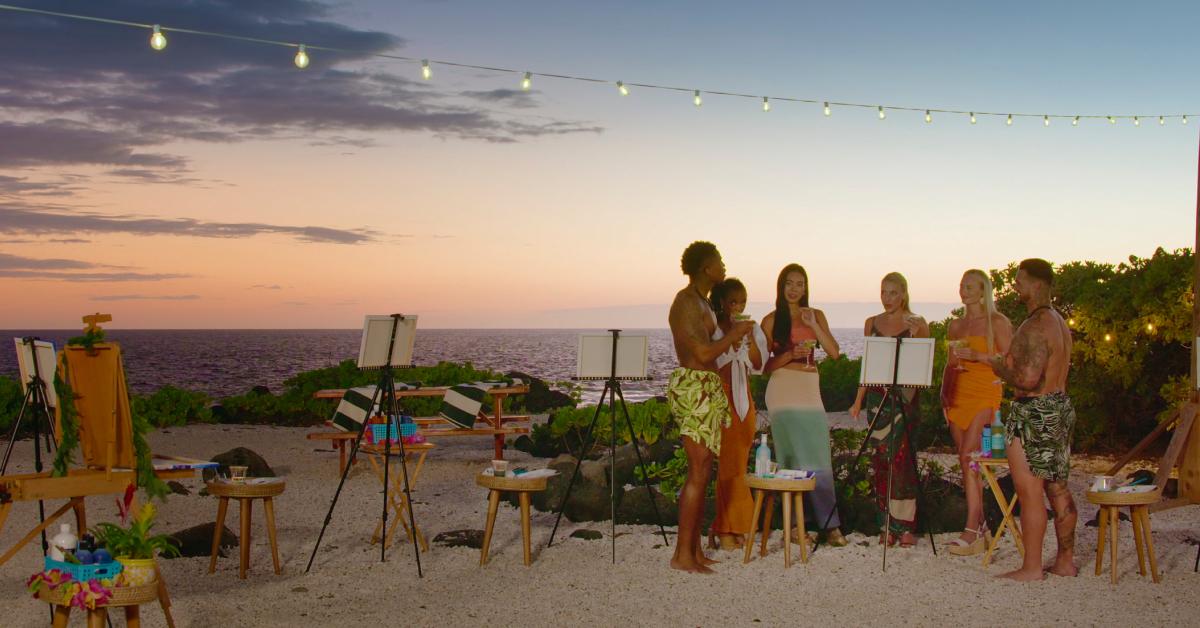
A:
(121, 596)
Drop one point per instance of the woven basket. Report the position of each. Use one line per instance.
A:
(121, 596)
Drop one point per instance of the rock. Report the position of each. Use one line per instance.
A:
(661, 451)
(595, 472)
(197, 540)
(635, 507)
(541, 398)
(587, 535)
(460, 538)
(257, 466)
(589, 500)
(260, 390)
(944, 508)
(177, 488)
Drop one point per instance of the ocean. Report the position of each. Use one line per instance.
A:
(224, 362)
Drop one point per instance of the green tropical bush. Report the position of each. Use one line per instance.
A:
(170, 406)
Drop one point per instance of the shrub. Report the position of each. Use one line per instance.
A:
(170, 406)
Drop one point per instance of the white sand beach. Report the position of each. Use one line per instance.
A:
(575, 582)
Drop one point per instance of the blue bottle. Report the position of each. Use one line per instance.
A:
(762, 459)
(985, 450)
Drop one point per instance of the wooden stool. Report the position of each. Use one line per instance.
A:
(793, 494)
(522, 488)
(1110, 503)
(245, 494)
(1008, 522)
(129, 598)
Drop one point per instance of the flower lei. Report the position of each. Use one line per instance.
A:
(82, 595)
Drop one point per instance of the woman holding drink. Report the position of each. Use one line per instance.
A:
(799, 426)
(896, 321)
(971, 392)
(735, 507)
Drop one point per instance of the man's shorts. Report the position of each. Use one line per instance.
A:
(1044, 425)
(697, 401)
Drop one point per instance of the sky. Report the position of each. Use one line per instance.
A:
(215, 185)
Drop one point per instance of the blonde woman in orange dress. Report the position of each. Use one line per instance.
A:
(971, 392)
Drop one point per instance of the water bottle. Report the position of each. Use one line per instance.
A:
(762, 458)
(63, 542)
(985, 449)
(998, 437)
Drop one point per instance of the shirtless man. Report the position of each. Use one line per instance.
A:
(1038, 426)
(695, 395)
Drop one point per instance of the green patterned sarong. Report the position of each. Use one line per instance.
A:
(1044, 426)
(698, 403)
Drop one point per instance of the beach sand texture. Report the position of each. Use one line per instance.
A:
(575, 582)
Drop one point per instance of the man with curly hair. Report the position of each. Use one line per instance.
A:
(694, 393)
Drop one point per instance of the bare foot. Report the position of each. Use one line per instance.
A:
(908, 540)
(704, 560)
(1022, 575)
(690, 566)
(1062, 567)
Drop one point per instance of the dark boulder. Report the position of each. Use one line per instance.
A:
(197, 540)
(541, 398)
(587, 535)
(257, 467)
(460, 538)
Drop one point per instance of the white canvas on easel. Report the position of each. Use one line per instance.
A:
(46, 366)
(377, 332)
(879, 362)
(594, 360)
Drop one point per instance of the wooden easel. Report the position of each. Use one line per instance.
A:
(102, 477)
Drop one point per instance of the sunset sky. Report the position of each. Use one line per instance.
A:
(215, 185)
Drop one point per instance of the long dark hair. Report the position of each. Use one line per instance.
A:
(782, 331)
(720, 292)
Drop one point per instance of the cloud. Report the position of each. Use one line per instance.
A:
(513, 97)
(274, 286)
(143, 297)
(11, 186)
(15, 262)
(59, 141)
(87, 277)
(16, 219)
(68, 240)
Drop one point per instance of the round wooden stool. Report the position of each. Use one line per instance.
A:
(129, 598)
(1110, 503)
(522, 488)
(245, 494)
(792, 492)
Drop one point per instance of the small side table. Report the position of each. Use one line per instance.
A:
(792, 492)
(1110, 503)
(129, 598)
(398, 500)
(987, 467)
(245, 494)
(522, 488)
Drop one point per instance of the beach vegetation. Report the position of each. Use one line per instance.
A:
(170, 406)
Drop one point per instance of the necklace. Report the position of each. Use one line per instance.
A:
(1038, 309)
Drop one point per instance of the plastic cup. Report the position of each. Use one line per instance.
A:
(237, 474)
(499, 468)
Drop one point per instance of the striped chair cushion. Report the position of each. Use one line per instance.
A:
(356, 406)
(462, 404)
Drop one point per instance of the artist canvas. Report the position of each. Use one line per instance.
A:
(377, 330)
(45, 363)
(594, 360)
(879, 359)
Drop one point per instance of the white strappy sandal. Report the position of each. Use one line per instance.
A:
(959, 547)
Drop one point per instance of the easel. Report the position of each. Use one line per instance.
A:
(99, 479)
(37, 403)
(612, 389)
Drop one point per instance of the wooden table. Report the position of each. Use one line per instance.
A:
(129, 598)
(522, 487)
(987, 468)
(496, 420)
(245, 494)
(397, 500)
(793, 494)
(1110, 503)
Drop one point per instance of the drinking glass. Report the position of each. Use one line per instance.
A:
(237, 474)
(951, 345)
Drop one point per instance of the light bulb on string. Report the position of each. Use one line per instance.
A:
(1075, 122)
(1045, 120)
(1107, 337)
(1185, 119)
(158, 41)
(972, 117)
(928, 117)
(1112, 120)
(696, 98)
(1161, 121)
(1150, 328)
(526, 82)
(1070, 322)
(301, 59)
(827, 110)
(426, 71)
(1009, 120)
(766, 104)
(621, 89)
(882, 115)
(1136, 122)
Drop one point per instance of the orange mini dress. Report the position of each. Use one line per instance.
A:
(977, 388)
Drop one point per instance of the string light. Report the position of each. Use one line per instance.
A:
(301, 59)
(696, 98)
(1045, 120)
(1107, 337)
(1136, 122)
(158, 41)
(1150, 327)
(928, 118)
(526, 82)
(1161, 121)
(766, 104)
(1070, 322)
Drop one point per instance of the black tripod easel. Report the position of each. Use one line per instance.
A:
(36, 406)
(612, 389)
(385, 393)
(891, 399)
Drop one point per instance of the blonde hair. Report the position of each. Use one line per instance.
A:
(989, 303)
(900, 281)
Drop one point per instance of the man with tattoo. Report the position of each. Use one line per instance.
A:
(1038, 426)
(695, 395)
